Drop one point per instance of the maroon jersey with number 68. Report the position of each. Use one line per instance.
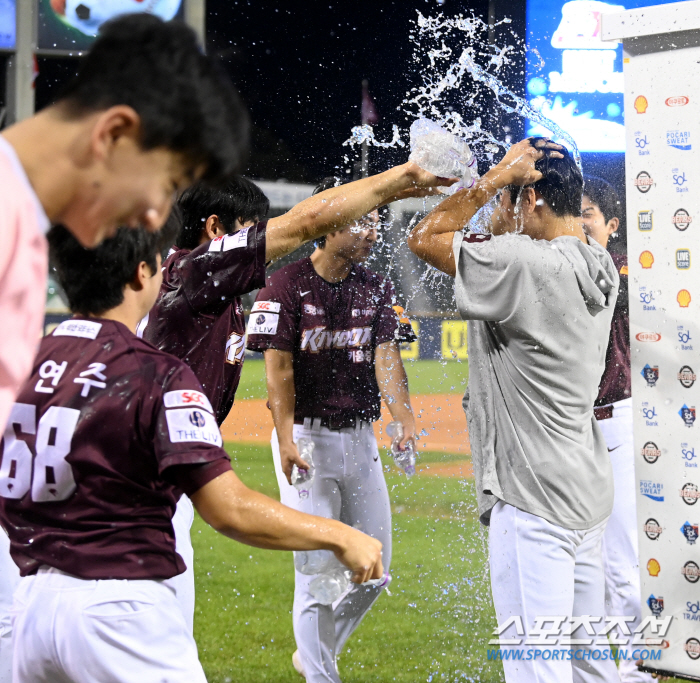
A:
(198, 316)
(332, 330)
(102, 436)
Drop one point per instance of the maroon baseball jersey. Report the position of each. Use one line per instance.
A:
(198, 316)
(103, 438)
(332, 329)
(616, 383)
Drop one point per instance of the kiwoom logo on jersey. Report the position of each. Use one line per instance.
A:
(654, 490)
(690, 494)
(643, 182)
(688, 455)
(680, 180)
(645, 221)
(656, 605)
(686, 376)
(649, 414)
(687, 414)
(679, 139)
(677, 101)
(690, 531)
(691, 572)
(683, 259)
(681, 219)
(652, 529)
(650, 452)
(650, 374)
(647, 336)
(641, 143)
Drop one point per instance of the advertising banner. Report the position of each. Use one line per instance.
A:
(662, 105)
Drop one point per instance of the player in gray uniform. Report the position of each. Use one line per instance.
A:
(330, 335)
(539, 296)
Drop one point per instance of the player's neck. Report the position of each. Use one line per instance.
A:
(331, 267)
(46, 147)
(128, 313)
(559, 226)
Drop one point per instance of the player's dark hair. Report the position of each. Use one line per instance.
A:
(561, 185)
(326, 184)
(603, 195)
(185, 102)
(93, 280)
(239, 199)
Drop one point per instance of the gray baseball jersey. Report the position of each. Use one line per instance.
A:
(540, 315)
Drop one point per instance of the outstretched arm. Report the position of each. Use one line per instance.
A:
(230, 507)
(338, 206)
(393, 385)
(431, 240)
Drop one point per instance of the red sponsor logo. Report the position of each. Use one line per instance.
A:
(263, 306)
(648, 336)
(678, 101)
(193, 397)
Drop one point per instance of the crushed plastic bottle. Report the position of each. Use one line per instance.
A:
(406, 458)
(443, 154)
(302, 479)
(329, 586)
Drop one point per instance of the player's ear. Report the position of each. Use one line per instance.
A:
(110, 126)
(213, 227)
(141, 276)
(529, 199)
(612, 225)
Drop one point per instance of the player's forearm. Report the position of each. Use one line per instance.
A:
(393, 383)
(244, 515)
(280, 391)
(334, 209)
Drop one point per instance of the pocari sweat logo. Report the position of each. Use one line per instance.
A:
(652, 489)
(680, 139)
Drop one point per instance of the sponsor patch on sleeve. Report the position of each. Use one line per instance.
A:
(87, 329)
(476, 237)
(189, 398)
(192, 424)
(227, 242)
(263, 323)
(272, 306)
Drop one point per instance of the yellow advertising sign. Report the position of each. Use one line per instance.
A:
(454, 339)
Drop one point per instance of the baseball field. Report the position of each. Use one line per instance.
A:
(435, 624)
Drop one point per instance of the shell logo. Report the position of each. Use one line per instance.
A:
(646, 258)
(683, 298)
(653, 567)
(641, 104)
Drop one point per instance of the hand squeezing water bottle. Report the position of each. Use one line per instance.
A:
(405, 457)
(302, 479)
(443, 154)
(332, 577)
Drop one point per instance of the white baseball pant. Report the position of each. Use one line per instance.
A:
(183, 584)
(9, 578)
(620, 543)
(349, 486)
(539, 569)
(71, 630)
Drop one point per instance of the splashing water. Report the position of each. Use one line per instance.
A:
(365, 133)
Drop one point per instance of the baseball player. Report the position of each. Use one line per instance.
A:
(104, 436)
(601, 211)
(330, 335)
(223, 252)
(146, 114)
(539, 296)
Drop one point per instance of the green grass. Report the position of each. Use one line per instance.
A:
(424, 377)
(434, 626)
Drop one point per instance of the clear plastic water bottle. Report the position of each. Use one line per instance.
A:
(302, 479)
(443, 154)
(406, 458)
(326, 588)
(312, 562)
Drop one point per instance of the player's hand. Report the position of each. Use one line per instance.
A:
(409, 435)
(420, 183)
(362, 554)
(518, 165)
(289, 456)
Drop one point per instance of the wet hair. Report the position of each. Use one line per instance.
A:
(93, 280)
(185, 102)
(239, 199)
(326, 184)
(561, 185)
(603, 195)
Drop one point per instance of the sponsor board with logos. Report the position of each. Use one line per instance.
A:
(663, 200)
